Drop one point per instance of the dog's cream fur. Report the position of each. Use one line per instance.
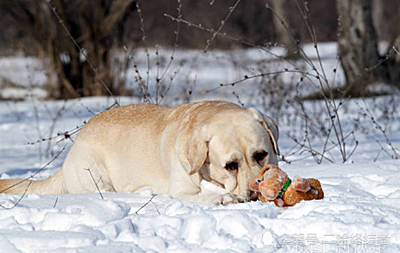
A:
(169, 150)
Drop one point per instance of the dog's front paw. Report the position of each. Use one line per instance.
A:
(226, 199)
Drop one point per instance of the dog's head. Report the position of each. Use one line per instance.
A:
(230, 148)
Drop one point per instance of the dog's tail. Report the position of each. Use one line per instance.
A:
(51, 185)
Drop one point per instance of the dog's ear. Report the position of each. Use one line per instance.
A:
(194, 151)
(270, 126)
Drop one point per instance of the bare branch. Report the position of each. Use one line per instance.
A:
(95, 183)
(231, 9)
(148, 202)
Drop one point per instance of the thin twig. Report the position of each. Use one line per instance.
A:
(168, 87)
(173, 51)
(55, 203)
(231, 9)
(158, 72)
(238, 98)
(395, 49)
(94, 181)
(87, 108)
(53, 124)
(146, 96)
(148, 202)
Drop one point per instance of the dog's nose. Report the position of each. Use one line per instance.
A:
(254, 196)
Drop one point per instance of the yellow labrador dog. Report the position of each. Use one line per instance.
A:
(170, 150)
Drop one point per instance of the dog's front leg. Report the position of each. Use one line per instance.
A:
(190, 190)
(212, 198)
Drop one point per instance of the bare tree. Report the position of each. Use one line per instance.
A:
(358, 43)
(77, 36)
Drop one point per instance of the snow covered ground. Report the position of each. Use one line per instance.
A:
(190, 70)
(360, 211)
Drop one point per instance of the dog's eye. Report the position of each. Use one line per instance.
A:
(232, 166)
(259, 180)
(260, 156)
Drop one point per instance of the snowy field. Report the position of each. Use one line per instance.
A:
(190, 70)
(360, 211)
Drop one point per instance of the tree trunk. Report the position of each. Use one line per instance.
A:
(358, 44)
(283, 26)
(377, 16)
(392, 75)
(90, 74)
